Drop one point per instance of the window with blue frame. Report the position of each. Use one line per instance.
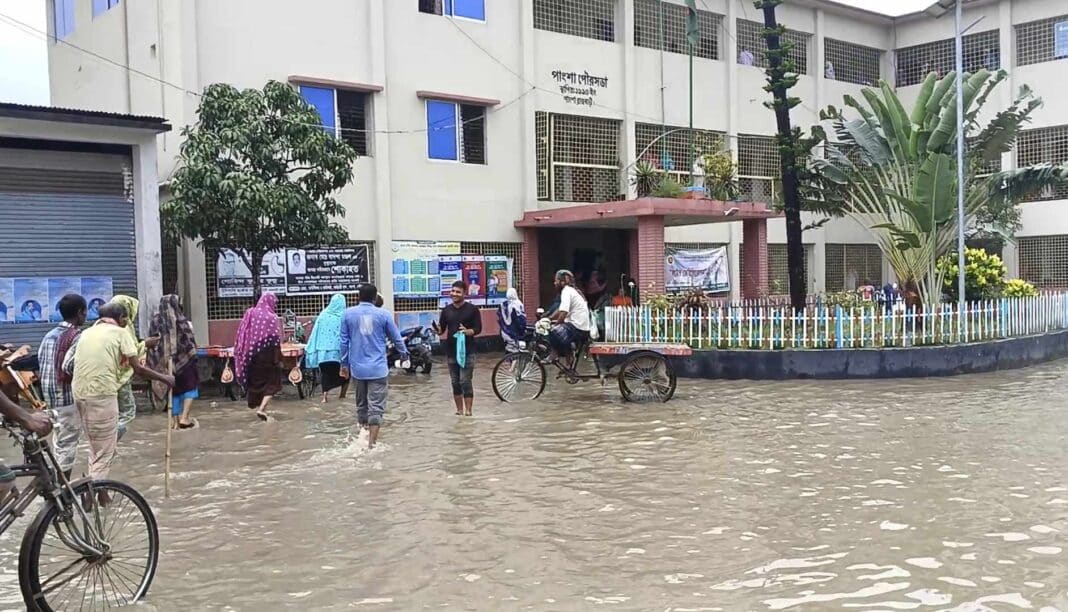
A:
(456, 132)
(343, 113)
(102, 6)
(62, 18)
(464, 9)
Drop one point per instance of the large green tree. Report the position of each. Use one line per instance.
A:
(256, 173)
(899, 170)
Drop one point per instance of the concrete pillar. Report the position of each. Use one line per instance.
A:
(755, 246)
(528, 106)
(147, 230)
(650, 255)
(630, 86)
(383, 192)
(735, 261)
(632, 254)
(818, 266)
(531, 269)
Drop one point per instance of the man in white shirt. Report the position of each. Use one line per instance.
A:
(572, 319)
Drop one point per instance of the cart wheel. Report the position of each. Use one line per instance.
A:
(517, 377)
(646, 377)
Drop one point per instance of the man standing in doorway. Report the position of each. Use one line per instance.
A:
(55, 380)
(364, 330)
(460, 318)
(104, 351)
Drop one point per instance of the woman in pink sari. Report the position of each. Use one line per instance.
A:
(258, 354)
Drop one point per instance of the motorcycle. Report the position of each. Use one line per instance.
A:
(419, 343)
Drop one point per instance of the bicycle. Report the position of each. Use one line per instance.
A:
(95, 542)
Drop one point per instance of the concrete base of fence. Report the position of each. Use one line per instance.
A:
(915, 362)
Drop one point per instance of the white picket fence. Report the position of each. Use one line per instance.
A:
(817, 327)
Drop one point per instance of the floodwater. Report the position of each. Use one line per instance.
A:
(947, 494)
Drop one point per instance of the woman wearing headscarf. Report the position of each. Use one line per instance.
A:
(258, 354)
(324, 347)
(127, 403)
(512, 319)
(176, 354)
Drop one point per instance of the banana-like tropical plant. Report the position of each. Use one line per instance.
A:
(899, 173)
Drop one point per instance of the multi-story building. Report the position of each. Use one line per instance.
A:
(477, 118)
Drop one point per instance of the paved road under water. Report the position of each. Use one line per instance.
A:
(882, 495)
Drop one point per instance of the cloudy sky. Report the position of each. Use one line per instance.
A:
(24, 55)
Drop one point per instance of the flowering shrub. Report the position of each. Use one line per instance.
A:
(984, 275)
(1018, 287)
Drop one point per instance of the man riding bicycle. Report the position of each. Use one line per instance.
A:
(571, 320)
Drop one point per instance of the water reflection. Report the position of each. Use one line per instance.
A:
(889, 495)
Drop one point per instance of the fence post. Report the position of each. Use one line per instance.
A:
(838, 326)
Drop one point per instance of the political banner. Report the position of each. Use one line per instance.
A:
(475, 277)
(233, 279)
(97, 291)
(57, 288)
(498, 278)
(326, 270)
(415, 267)
(31, 300)
(450, 270)
(688, 269)
(7, 300)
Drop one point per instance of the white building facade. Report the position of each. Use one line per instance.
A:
(469, 114)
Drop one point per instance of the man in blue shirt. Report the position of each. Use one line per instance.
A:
(364, 331)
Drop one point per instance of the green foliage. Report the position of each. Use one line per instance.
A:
(256, 172)
(646, 178)
(845, 299)
(668, 187)
(984, 275)
(721, 181)
(1017, 288)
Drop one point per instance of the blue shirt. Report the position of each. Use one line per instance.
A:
(364, 330)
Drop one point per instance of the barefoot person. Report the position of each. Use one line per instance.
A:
(104, 352)
(460, 318)
(364, 331)
(55, 381)
(324, 347)
(258, 354)
(176, 352)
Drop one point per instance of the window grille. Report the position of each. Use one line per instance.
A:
(981, 50)
(514, 250)
(1044, 146)
(850, 62)
(302, 305)
(352, 107)
(758, 168)
(169, 254)
(647, 23)
(594, 19)
(849, 265)
(752, 47)
(985, 168)
(1036, 41)
(578, 158)
(472, 134)
(778, 267)
(672, 152)
(1044, 261)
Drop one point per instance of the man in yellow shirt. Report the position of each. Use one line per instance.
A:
(103, 351)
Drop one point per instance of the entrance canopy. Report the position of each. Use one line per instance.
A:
(624, 214)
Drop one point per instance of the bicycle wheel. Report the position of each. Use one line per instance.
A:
(647, 377)
(56, 574)
(517, 377)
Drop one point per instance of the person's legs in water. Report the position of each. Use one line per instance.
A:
(261, 412)
(376, 392)
(65, 437)
(180, 412)
(361, 403)
(127, 408)
(466, 387)
(457, 388)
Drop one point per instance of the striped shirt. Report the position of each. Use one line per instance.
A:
(56, 394)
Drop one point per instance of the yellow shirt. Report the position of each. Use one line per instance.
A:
(103, 352)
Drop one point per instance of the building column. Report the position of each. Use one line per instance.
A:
(383, 159)
(650, 239)
(755, 247)
(531, 268)
(147, 233)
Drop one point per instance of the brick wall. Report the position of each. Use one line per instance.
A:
(755, 254)
(650, 255)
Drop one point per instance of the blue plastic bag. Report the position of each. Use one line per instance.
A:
(461, 349)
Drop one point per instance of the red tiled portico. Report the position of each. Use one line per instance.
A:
(646, 219)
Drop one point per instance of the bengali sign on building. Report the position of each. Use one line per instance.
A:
(327, 270)
(579, 88)
(686, 269)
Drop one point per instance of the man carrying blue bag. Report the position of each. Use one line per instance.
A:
(459, 322)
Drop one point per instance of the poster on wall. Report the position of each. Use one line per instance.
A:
(97, 290)
(7, 300)
(688, 269)
(424, 319)
(498, 278)
(31, 300)
(415, 267)
(57, 288)
(326, 270)
(233, 278)
(475, 277)
(450, 270)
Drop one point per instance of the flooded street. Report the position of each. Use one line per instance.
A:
(881, 495)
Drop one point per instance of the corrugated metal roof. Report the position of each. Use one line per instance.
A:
(76, 115)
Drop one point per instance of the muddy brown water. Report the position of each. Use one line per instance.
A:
(947, 494)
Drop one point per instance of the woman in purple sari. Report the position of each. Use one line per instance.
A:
(258, 354)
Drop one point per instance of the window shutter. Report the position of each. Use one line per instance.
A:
(323, 100)
(441, 130)
(471, 9)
